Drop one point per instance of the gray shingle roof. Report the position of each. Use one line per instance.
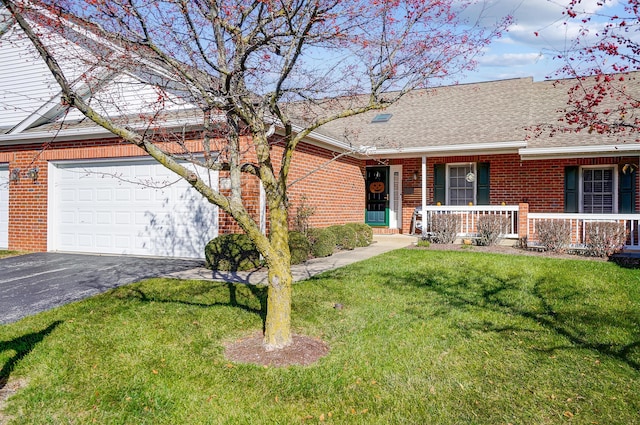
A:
(467, 115)
(452, 115)
(472, 114)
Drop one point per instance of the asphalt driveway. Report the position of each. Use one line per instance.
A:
(33, 283)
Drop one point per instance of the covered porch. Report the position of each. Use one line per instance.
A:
(522, 224)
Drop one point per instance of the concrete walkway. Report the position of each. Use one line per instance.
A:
(380, 245)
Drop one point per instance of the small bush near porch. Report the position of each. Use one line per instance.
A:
(423, 337)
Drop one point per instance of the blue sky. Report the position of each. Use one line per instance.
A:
(520, 53)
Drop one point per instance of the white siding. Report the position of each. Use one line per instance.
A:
(127, 95)
(27, 87)
(109, 207)
(25, 81)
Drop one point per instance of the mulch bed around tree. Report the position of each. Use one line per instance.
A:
(303, 351)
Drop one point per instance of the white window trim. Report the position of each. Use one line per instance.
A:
(448, 185)
(614, 170)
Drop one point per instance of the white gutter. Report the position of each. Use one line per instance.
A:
(326, 140)
(92, 132)
(42, 136)
(412, 152)
(453, 149)
(563, 152)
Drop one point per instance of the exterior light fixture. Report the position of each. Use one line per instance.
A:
(14, 176)
(415, 175)
(32, 173)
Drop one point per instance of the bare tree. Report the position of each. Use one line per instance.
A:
(245, 67)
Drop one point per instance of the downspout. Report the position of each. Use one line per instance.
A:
(263, 210)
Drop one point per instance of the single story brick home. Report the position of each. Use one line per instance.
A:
(470, 149)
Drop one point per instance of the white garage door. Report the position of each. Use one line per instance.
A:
(135, 207)
(4, 206)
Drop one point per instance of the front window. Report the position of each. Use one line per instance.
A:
(597, 190)
(461, 185)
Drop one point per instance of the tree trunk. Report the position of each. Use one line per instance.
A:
(277, 330)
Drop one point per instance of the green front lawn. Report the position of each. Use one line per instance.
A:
(4, 253)
(425, 337)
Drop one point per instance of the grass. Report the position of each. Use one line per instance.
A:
(5, 253)
(425, 337)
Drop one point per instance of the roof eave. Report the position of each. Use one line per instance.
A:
(579, 151)
(70, 134)
(325, 141)
(451, 150)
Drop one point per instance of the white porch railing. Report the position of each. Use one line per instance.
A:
(578, 228)
(469, 216)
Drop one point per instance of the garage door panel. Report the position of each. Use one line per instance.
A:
(85, 195)
(143, 195)
(103, 195)
(85, 217)
(85, 240)
(4, 206)
(112, 215)
(68, 195)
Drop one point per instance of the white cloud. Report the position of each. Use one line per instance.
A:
(510, 59)
(539, 29)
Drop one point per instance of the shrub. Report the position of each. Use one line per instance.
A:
(444, 227)
(423, 243)
(233, 252)
(323, 242)
(345, 236)
(555, 235)
(605, 238)
(491, 228)
(299, 247)
(364, 233)
(303, 215)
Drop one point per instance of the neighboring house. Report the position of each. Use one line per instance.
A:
(68, 185)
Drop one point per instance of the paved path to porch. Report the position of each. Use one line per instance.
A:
(380, 245)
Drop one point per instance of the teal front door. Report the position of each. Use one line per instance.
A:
(377, 204)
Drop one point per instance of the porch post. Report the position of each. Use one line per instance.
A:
(523, 220)
(424, 193)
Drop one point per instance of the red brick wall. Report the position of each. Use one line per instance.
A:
(335, 190)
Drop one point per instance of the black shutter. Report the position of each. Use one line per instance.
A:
(483, 191)
(627, 195)
(571, 189)
(439, 183)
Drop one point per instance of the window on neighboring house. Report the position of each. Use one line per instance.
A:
(597, 190)
(460, 184)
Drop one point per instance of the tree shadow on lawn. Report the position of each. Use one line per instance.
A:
(22, 346)
(554, 305)
(213, 294)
